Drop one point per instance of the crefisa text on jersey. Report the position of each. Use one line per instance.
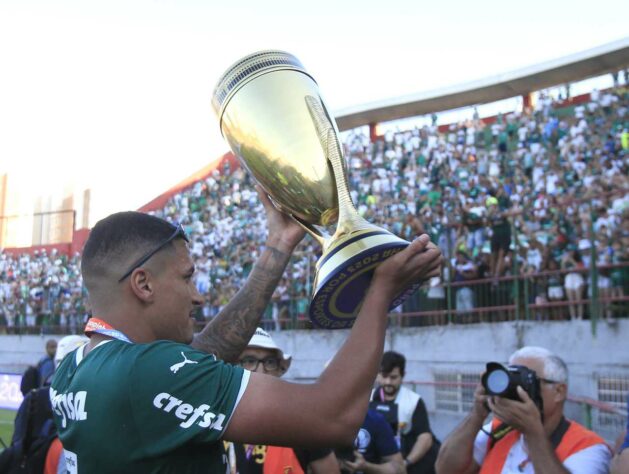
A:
(189, 414)
(69, 406)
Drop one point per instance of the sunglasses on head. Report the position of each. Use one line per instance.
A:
(179, 232)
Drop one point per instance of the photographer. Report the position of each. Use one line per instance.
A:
(620, 463)
(538, 442)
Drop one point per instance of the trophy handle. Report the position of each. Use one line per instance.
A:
(312, 230)
(349, 220)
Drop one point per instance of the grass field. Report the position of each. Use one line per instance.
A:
(6, 426)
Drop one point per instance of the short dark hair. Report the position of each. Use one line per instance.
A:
(391, 360)
(118, 237)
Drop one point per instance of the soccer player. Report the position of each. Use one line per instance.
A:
(145, 395)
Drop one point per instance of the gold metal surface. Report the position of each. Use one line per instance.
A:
(268, 125)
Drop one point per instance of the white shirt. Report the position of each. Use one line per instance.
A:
(592, 460)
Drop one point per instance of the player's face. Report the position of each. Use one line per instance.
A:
(390, 381)
(177, 297)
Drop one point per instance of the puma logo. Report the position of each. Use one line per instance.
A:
(174, 368)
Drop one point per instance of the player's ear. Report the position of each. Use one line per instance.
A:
(142, 284)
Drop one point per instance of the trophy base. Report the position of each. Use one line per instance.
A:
(344, 273)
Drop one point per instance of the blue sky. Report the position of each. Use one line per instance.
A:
(119, 91)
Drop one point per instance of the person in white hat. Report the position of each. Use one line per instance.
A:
(68, 344)
(264, 356)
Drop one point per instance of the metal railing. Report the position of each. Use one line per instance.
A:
(543, 296)
(535, 297)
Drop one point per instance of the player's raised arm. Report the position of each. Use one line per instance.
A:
(332, 408)
(228, 333)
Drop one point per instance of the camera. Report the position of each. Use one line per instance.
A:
(345, 453)
(502, 381)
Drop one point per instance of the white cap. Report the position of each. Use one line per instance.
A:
(263, 340)
(68, 344)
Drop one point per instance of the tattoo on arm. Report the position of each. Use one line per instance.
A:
(227, 335)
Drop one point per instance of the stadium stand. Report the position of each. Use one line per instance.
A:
(531, 210)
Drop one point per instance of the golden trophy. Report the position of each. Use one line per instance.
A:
(273, 117)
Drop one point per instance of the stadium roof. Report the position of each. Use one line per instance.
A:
(575, 67)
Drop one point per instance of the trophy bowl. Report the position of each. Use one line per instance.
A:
(275, 121)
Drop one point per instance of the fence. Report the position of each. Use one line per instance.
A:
(543, 296)
(535, 297)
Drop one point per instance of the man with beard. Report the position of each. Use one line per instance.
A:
(406, 412)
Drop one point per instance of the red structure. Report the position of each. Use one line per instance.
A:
(79, 236)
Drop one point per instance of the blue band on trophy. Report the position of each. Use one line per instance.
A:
(337, 297)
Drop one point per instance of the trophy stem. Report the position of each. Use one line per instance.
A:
(349, 219)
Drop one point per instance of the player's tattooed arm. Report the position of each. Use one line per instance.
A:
(227, 335)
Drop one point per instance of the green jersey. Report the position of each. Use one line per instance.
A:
(144, 408)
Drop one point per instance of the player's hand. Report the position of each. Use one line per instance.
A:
(419, 261)
(523, 414)
(284, 232)
(359, 463)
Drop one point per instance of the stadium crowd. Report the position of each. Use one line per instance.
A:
(526, 193)
(43, 289)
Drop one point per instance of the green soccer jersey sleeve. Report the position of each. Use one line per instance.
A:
(179, 395)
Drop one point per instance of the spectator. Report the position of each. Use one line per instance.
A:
(264, 356)
(497, 213)
(464, 269)
(574, 282)
(35, 446)
(555, 288)
(406, 413)
(620, 463)
(46, 364)
(375, 449)
(544, 442)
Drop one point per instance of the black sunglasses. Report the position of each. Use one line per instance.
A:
(179, 232)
